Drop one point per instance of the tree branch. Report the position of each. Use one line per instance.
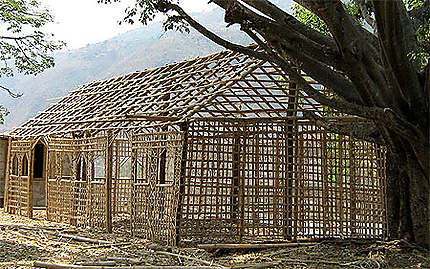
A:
(386, 116)
(398, 40)
(11, 93)
(277, 14)
(343, 27)
(361, 130)
(325, 52)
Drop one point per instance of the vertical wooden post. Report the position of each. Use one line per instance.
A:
(299, 213)
(30, 176)
(162, 166)
(236, 179)
(353, 216)
(133, 172)
(8, 168)
(241, 187)
(380, 157)
(108, 181)
(340, 184)
(324, 172)
(184, 129)
(291, 160)
(46, 175)
(116, 178)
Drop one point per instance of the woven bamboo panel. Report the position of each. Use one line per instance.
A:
(17, 202)
(74, 169)
(155, 187)
(18, 187)
(154, 214)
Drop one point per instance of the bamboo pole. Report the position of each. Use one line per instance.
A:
(184, 128)
(39, 264)
(325, 194)
(133, 172)
(30, 171)
(255, 245)
(116, 180)
(108, 182)
(46, 176)
(288, 191)
(353, 218)
(8, 167)
(236, 180)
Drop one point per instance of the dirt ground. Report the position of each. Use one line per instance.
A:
(24, 241)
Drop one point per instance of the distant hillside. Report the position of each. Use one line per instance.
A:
(139, 49)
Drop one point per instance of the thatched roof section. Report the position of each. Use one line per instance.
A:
(225, 84)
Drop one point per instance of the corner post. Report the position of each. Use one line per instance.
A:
(6, 187)
(108, 182)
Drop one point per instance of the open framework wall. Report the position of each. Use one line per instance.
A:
(216, 148)
(211, 180)
(253, 180)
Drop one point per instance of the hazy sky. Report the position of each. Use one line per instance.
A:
(82, 22)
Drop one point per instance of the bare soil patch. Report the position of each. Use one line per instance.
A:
(24, 241)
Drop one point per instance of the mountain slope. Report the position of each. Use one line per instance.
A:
(139, 49)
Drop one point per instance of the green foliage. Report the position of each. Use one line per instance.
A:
(3, 113)
(422, 26)
(310, 19)
(145, 11)
(24, 47)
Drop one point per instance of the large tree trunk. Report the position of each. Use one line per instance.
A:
(407, 197)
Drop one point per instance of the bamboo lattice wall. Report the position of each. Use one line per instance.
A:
(216, 148)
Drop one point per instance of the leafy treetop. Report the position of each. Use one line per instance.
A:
(24, 46)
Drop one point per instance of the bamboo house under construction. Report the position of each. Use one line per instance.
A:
(215, 148)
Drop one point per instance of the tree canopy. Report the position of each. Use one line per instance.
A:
(24, 45)
(373, 54)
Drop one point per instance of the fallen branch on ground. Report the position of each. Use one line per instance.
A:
(252, 246)
(257, 265)
(98, 263)
(79, 238)
(191, 259)
(125, 260)
(69, 266)
(302, 261)
(108, 245)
